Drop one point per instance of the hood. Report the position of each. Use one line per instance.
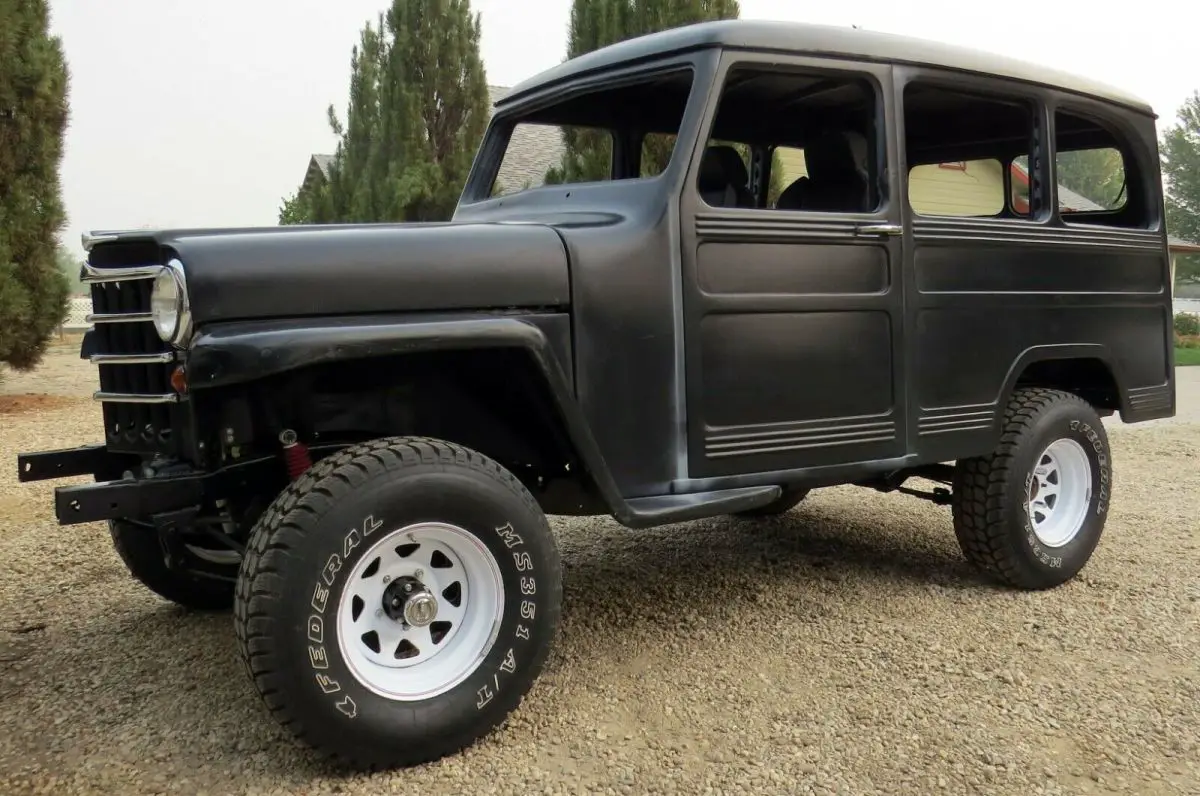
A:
(308, 270)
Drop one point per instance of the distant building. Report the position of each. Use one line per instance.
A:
(533, 151)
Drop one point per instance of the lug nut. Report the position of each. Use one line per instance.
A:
(387, 578)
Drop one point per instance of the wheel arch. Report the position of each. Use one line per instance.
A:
(471, 380)
(1085, 369)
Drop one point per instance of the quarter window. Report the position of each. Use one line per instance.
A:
(1093, 181)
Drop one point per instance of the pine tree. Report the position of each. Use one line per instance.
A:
(599, 23)
(33, 120)
(417, 111)
(1180, 151)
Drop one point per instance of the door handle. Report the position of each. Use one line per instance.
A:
(880, 229)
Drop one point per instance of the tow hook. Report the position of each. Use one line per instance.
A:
(295, 454)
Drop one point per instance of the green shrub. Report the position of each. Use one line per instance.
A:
(1187, 324)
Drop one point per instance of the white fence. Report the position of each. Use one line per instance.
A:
(77, 311)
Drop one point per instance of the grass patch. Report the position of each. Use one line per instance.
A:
(1187, 356)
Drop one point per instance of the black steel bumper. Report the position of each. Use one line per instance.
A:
(117, 497)
(113, 496)
(93, 460)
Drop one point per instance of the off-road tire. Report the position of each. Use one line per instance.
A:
(990, 508)
(783, 504)
(304, 548)
(142, 553)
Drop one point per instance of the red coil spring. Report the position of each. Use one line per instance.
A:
(295, 455)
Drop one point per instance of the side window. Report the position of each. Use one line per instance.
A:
(958, 144)
(822, 132)
(1093, 182)
(957, 188)
(656, 153)
(535, 156)
(571, 142)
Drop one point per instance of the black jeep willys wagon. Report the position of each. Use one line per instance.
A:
(779, 257)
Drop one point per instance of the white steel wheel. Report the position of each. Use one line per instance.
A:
(420, 611)
(1059, 493)
(1031, 512)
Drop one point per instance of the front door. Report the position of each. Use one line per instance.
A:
(794, 312)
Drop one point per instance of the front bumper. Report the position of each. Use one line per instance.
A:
(114, 496)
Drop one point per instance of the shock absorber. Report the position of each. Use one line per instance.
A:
(295, 454)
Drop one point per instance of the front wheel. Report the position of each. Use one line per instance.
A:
(397, 601)
(1031, 513)
(140, 550)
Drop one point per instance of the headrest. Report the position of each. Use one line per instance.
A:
(831, 155)
(722, 166)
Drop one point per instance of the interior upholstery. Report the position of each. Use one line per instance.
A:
(724, 179)
(837, 175)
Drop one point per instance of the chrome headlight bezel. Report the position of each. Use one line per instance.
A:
(174, 322)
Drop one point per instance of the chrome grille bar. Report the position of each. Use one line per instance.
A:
(93, 275)
(119, 317)
(132, 359)
(140, 408)
(134, 398)
(90, 239)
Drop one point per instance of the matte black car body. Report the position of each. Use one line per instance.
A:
(627, 348)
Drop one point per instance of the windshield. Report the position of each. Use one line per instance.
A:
(573, 141)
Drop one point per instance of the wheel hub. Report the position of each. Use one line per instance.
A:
(1059, 493)
(420, 609)
(410, 601)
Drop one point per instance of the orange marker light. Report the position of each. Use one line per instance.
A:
(179, 380)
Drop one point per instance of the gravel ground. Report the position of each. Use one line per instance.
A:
(843, 648)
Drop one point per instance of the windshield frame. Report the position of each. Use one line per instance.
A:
(699, 66)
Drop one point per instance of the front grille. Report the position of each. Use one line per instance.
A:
(141, 411)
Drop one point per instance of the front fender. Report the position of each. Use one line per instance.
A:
(240, 353)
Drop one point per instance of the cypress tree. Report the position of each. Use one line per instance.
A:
(33, 120)
(417, 111)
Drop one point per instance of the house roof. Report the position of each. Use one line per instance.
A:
(322, 163)
(532, 152)
(820, 40)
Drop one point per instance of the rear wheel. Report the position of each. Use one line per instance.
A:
(139, 548)
(1032, 512)
(397, 601)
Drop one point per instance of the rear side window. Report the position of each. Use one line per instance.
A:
(971, 188)
(960, 149)
(1092, 177)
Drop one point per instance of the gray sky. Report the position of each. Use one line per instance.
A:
(187, 113)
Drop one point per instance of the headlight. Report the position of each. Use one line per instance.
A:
(169, 305)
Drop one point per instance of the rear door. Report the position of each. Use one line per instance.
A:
(794, 318)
